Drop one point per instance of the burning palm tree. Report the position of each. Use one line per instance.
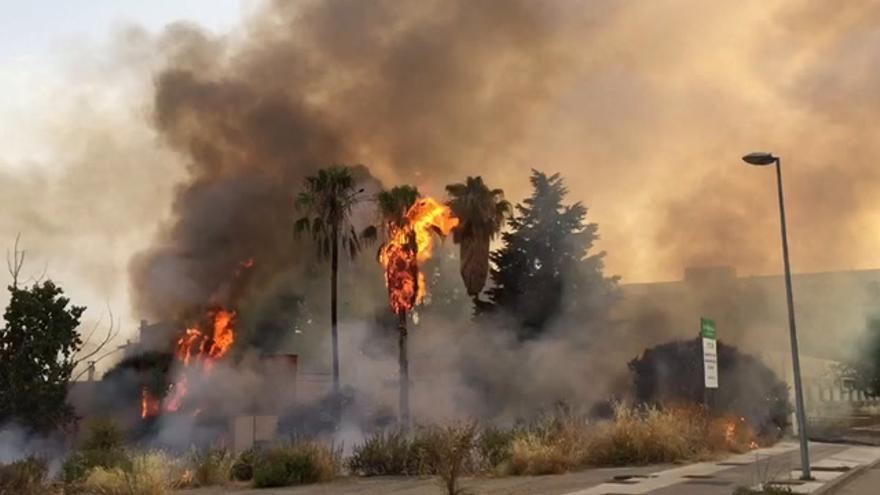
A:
(481, 212)
(410, 223)
(326, 203)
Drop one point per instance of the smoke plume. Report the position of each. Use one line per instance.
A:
(645, 109)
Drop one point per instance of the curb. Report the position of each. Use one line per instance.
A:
(840, 481)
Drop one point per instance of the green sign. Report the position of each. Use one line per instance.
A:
(707, 328)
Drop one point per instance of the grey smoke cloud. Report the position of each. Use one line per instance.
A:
(645, 108)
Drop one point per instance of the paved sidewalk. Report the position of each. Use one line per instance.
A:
(779, 462)
(382, 485)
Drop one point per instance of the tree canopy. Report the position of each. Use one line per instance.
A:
(481, 212)
(673, 372)
(38, 347)
(326, 202)
(544, 269)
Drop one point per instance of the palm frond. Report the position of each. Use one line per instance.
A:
(327, 199)
(302, 225)
(370, 234)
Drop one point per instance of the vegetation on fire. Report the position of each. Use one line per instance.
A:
(546, 241)
(553, 444)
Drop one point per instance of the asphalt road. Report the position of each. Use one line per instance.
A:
(866, 483)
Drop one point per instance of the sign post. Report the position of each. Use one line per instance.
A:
(708, 334)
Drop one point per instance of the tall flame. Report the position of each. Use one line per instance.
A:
(408, 247)
(201, 350)
(198, 350)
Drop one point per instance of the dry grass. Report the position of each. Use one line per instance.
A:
(636, 435)
(210, 467)
(553, 445)
(647, 435)
(531, 454)
(150, 473)
(24, 477)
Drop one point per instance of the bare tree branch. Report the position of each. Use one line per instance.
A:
(15, 260)
(112, 332)
(37, 280)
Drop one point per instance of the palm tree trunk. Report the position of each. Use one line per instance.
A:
(334, 270)
(404, 370)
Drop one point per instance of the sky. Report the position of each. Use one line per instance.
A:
(39, 39)
(42, 44)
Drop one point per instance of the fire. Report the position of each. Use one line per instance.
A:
(408, 247)
(149, 404)
(198, 350)
(201, 350)
(730, 433)
(737, 433)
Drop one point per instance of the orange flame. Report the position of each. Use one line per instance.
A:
(408, 247)
(201, 350)
(730, 433)
(149, 405)
(737, 433)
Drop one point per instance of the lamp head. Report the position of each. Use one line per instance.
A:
(760, 158)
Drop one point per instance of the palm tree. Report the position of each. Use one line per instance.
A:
(393, 206)
(394, 203)
(481, 212)
(326, 203)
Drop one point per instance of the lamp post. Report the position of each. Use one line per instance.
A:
(763, 159)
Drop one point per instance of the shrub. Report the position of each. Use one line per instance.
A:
(450, 451)
(210, 467)
(242, 468)
(103, 446)
(150, 473)
(673, 373)
(495, 446)
(388, 453)
(24, 477)
(294, 463)
(103, 434)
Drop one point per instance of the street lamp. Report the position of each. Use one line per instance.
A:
(763, 159)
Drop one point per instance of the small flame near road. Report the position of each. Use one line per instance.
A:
(738, 433)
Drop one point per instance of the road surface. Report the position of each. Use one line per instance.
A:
(720, 477)
(866, 483)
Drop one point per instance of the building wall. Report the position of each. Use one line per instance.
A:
(750, 312)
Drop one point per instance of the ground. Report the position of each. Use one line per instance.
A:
(866, 483)
(720, 477)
